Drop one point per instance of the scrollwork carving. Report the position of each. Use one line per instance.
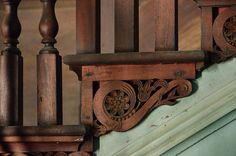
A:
(117, 108)
(229, 30)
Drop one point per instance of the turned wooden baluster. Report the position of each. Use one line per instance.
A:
(49, 69)
(11, 65)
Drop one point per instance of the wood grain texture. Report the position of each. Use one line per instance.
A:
(124, 26)
(136, 72)
(207, 28)
(86, 26)
(146, 26)
(86, 103)
(107, 26)
(166, 25)
(38, 147)
(49, 89)
(11, 90)
(58, 130)
(135, 58)
(216, 3)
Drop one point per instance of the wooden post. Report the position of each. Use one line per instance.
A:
(11, 65)
(49, 72)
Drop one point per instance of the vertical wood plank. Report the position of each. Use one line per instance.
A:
(207, 28)
(49, 89)
(86, 102)
(107, 26)
(124, 26)
(146, 26)
(86, 35)
(166, 25)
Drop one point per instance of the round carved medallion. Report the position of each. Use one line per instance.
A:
(114, 102)
(230, 31)
(224, 30)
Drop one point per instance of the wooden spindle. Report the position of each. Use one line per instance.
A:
(11, 65)
(49, 72)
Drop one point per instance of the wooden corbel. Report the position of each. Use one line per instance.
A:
(119, 90)
(218, 29)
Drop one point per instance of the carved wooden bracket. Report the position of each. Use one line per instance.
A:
(119, 90)
(218, 29)
(120, 105)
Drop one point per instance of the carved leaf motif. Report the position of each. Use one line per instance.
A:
(113, 97)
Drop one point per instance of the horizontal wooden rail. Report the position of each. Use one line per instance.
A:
(135, 58)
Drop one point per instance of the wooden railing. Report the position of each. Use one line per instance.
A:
(50, 137)
(143, 71)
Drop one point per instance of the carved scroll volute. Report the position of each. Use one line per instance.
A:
(49, 69)
(11, 27)
(48, 26)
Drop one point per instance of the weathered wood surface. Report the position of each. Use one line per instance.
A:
(43, 131)
(124, 25)
(135, 58)
(49, 75)
(86, 101)
(136, 72)
(166, 25)
(146, 25)
(107, 32)
(11, 66)
(86, 26)
(216, 3)
(207, 28)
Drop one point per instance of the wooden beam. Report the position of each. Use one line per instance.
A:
(136, 72)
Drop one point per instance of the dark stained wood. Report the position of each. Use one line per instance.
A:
(135, 58)
(216, 3)
(166, 25)
(86, 25)
(38, 147)
(11, 91)
(86, 103)
(11, 66)
(124, 25)
(45, 139)
(49, 69)
(107, 26)
(207, 28)
(136, 72)
(49, 91)
(44, 131)
(146, 26)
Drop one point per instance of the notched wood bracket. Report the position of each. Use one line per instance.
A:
(130, 85)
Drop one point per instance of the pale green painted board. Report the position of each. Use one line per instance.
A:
(220, 143)
(211, 141)
(163, 128)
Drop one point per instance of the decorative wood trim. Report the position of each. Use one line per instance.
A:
(191, 119)
(116, 108)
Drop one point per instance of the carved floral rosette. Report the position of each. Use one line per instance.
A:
(121, 105)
